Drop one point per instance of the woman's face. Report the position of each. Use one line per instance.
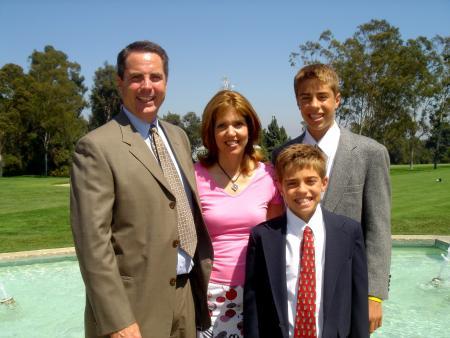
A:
(231, 133)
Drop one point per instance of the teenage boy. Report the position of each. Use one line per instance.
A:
(306, 272)
(358, 171)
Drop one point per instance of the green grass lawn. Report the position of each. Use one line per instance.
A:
(420, 204)
(34, 211)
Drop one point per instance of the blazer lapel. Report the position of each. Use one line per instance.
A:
(275, 255)
(340, 172)
(139, 149)
(335, 256)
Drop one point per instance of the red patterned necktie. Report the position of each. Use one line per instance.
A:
(305, 320)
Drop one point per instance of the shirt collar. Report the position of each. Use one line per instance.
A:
(328, 143)
(296, 225)
(141, 126)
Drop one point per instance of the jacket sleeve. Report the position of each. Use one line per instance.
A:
(377, 221)
(250, 306)
(360, 308)
(91, 208)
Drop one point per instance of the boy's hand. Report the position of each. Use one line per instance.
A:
(375, 315)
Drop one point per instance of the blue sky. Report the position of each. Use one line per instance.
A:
(247, 41)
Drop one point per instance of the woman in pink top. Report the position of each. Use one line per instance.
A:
(237, 192)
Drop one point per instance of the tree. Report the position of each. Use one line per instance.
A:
(105, 99)
(438, 109)
(273, 137)
(439, 140)
(192, 127)
(385, 83)
(417, 89)
(14, 99)
(174, 119)
(54, 121)
(190, 123)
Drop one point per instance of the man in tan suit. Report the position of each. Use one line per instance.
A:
(140, 281)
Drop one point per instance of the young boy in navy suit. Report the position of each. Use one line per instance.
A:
(306, 272)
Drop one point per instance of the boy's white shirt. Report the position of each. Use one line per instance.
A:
(294, 236)
(328, 143)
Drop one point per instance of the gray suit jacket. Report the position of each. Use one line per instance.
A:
(359, 188)
(124, 226)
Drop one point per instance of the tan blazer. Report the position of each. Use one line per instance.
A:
(124, 227)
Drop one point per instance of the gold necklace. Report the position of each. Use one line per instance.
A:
(234, 186)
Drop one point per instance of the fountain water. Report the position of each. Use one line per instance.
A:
(437, 281)
(4, 298)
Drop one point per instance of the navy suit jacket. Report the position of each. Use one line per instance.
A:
(345, 303)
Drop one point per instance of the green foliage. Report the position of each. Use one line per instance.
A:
(192, 127)
(190, 123)
(439, 141)
(57, 103)
(174, 119)
(14, 99)
(13, 163)
(105, 99)
(40, 113)
(273, 137)
(439, 131)
(390, 87)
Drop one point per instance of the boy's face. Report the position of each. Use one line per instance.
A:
(318, 104)
(301, 190)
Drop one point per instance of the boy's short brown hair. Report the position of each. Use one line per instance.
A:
(301, 156)
(324, 73)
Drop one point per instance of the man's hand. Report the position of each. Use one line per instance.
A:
(131, 331)
(375, 315)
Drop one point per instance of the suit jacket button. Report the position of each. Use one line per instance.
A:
(175, 243)
(172, 205)
(173, 281)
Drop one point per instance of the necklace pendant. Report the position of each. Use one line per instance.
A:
(234, 187)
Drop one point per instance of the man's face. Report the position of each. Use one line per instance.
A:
(143, 87)
(318, 104)
(301, 190)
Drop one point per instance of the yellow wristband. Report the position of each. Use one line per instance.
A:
(375, 299)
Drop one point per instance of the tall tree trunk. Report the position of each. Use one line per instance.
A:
(1, 157)
(46, 143)
(438, 141)
(436, 150)
(46, 163)
(411, 158)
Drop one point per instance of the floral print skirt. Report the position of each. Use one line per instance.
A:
(225, 307)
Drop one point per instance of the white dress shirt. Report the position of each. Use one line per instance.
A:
(328, 143)
(294, 237)
(184, 261)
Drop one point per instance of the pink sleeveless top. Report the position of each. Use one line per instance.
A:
(229, 219)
